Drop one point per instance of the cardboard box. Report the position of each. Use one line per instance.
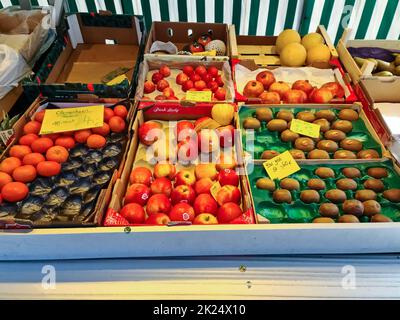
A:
(98, 49)
(133, 156)
(184, 33)
(379, 89)
(105, 194)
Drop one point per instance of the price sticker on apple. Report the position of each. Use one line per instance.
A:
(199, 96)
(305, 128)
(214, 189)
(281, 166)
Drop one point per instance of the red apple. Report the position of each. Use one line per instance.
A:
(188, 70)
(266, 78)
(156, 77)
(182, 212)
(219, 80)
(195, 77)
(134, 213)
(184, 129)
(185, 177)
(183, 193)
(162, 84)
(253, 89)
(168, 92)
(149, 132)
(212, 71)
(213, 85)
(149, 87)
(165, 71)
(187, 150)
(200, 120)
(207, 78)
(228, 177)
(181, 78)
(158, 203)
(203, 186)
(200, 70)
(200, 85)
(270, 97)
(188, 85)
(141, 175)
(205, 219)
(205, 170)
(228, 212)
(163, 169)
(208, 140)
(294, 96)
(137, 193)
(220, 94)
(321, 96)
(158, 219)
(226, 136)
(161, 185)
(205, 203)
(228, 193)
(226, 161)
(336, 89)
(279, 87)
(303, 85)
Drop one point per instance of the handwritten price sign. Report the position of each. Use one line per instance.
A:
(71, 119)
(281, 166)
(305, 128)
(200, 96)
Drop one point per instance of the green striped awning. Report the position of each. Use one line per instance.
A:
(367, 19)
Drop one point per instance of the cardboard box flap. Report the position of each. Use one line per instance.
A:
(382, 89)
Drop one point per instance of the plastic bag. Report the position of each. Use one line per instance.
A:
(13, 68)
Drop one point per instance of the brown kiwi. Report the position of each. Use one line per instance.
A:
(335, 135)
(285, 115)
(371, 207)
(309, 196)
(277, 125)
(289, 136)
(264, 114)
(344, 154)
(374, 184)
(365, 195)
(351, 173)
(329, 210)
(307, 116)
(328, 145)
(324, 124)
(265, 184)
(380, 218)
(348, 218)
(342, 125)
(348, 114)
(304, 144)
(393, 195)
(269, 154)
(351, 144)
(346, 184)
(323, 220)
(377, 173)
(316, 184)
(325, 173)
(290, 184)
(336, 196)
(282, 196)
(368, 154)
(297, 154)
(318, 154)
(326, 114)
(353, 207)
(251, 123)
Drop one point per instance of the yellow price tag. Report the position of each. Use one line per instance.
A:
(117, 80)
(71, 119)
(305, 128)
(281, 166)
(211, 53)
(200, 96)
(214, 189)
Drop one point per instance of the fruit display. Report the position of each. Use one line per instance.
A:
(171, 81)
(343, 133)
(325, 192)
(55, 179)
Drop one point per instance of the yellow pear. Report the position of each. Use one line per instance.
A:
(311, 40)
(285, 37)
(293, 55)
(223, 113)
(319, 53)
